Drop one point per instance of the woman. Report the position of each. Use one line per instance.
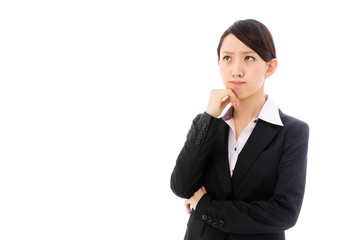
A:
(243, 174)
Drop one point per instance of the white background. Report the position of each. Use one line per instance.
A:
(96, 98)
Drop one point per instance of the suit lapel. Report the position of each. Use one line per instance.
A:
(221, 159)
(261, 136)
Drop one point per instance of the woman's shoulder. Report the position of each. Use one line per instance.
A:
(291, 122)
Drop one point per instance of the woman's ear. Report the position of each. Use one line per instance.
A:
(218, 62)
(271, 68)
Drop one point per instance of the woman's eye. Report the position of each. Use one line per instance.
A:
(249, 58)
(227, 58)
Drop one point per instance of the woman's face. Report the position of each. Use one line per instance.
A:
(242, 69)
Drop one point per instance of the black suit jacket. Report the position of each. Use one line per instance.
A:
(262, 198)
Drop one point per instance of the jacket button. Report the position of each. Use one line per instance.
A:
(214, 221)
(209, 219)
(199, 136)
(204, 125)
(197, 142)
(204, 217)
(202, 131)
(221, 222)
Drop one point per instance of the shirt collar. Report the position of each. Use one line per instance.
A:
(269, 113)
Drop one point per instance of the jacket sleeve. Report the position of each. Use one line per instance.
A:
(276, 214)
(187, 176)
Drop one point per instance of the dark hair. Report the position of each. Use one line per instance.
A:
(253, 34)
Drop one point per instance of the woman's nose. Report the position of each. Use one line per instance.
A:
(237, 71)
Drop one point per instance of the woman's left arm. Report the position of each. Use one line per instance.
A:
(278, 213)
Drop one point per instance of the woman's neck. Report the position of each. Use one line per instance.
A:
(249, 108)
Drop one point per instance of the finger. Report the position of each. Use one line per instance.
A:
(228, 100)
(187, 206)
(221, 94)
(225, 102)
(203, 189)
(232, 96)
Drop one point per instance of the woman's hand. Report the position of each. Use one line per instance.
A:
(193, 201)
(219, 99)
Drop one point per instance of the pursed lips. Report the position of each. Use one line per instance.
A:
(237, 83)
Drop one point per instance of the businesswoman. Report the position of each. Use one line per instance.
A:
(243, 173)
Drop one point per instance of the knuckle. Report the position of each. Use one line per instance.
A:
(214, 92)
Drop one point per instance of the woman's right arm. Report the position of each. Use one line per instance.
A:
(187, 176)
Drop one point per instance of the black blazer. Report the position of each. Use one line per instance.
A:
(262, 198)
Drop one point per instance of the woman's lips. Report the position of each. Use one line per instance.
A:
(238, 83)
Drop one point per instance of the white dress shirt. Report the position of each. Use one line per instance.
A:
(268, 113)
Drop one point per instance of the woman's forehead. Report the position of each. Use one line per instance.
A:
(233, 45)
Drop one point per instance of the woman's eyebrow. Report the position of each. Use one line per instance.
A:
(242, 52)
(226, 52)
